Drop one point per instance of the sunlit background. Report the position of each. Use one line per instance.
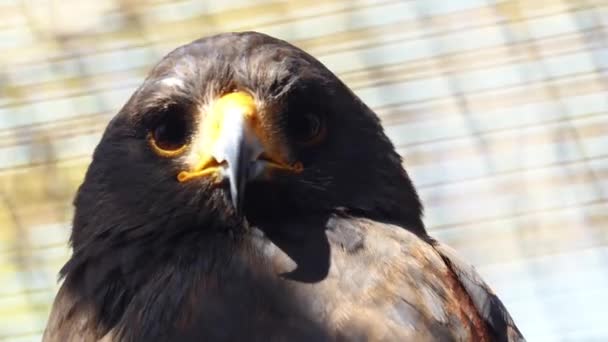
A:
(500, 109)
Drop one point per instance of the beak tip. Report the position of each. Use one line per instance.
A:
(234, 196)
(236, 204)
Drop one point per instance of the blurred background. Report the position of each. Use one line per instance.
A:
(500, 109)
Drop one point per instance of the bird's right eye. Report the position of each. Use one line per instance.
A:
(169, 137)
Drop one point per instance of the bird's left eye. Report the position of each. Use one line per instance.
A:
(307, 129)
(169, 137)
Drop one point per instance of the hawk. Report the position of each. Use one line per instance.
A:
(244, 193)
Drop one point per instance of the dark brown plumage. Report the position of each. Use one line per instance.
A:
(245, 193)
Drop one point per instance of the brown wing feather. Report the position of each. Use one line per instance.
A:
(70, 320)
(490, 308)
(402, 282)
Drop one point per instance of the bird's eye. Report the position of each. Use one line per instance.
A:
(307, 129)
(169, 137)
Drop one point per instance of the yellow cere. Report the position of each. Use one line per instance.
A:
(241, 102)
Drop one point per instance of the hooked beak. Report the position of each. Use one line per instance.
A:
(239, 147)
(232, 144)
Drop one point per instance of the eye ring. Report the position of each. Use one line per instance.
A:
(168, 138)
(162, 152)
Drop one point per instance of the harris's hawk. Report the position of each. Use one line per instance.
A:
(244, 193)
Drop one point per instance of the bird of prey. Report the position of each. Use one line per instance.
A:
(244, 193)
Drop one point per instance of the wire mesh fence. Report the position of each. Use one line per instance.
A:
(499, 108)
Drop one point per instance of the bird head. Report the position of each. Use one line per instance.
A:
(241, 127)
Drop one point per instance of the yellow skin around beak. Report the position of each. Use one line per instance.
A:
(233, 143)
(230, 105)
